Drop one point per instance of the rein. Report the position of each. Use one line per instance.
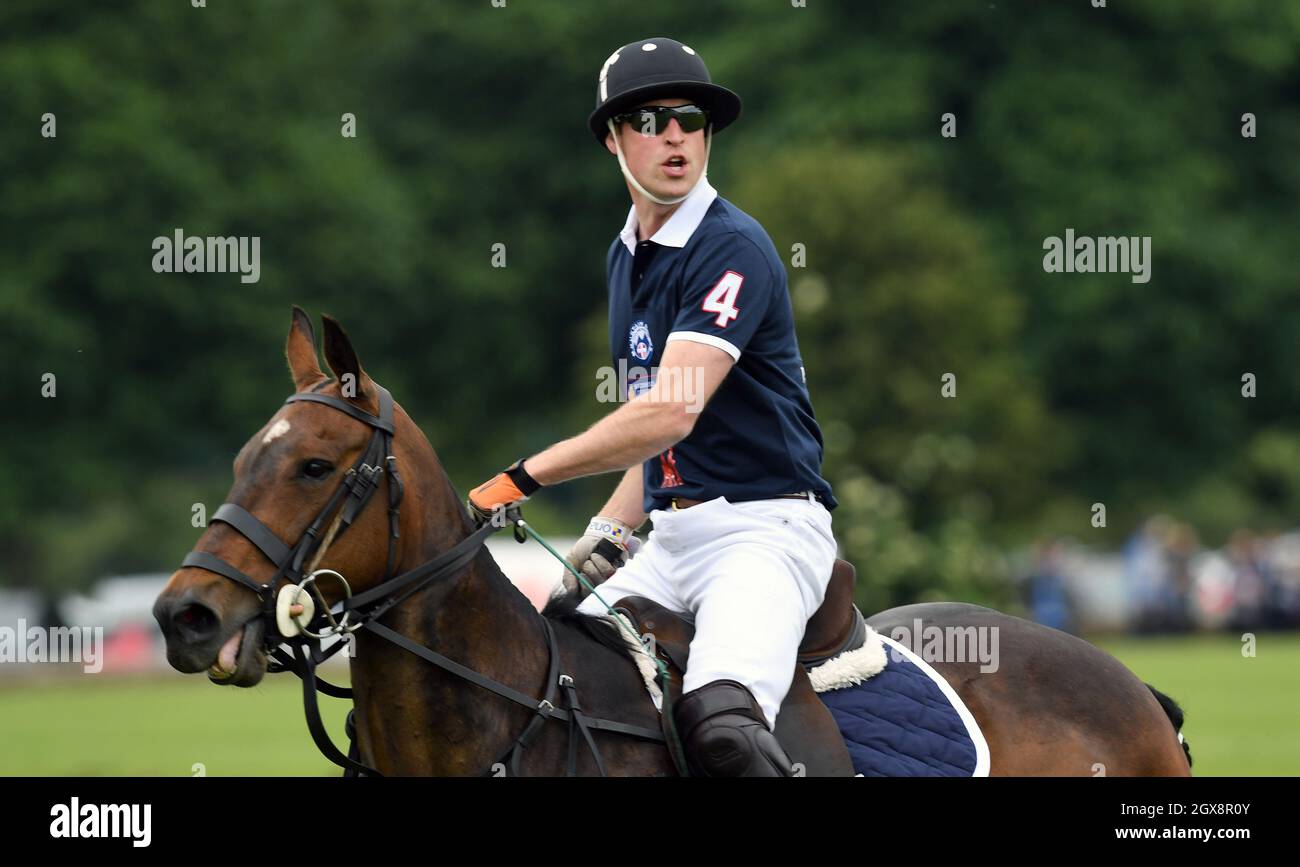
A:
(294, 647)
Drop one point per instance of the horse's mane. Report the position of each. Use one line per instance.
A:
(564, 609)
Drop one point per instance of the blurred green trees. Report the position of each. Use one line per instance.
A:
(923, 254)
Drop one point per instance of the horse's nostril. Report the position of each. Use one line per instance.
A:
(195, 621)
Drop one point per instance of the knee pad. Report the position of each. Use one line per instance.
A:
(725, 733)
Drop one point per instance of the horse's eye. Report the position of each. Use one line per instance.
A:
(317, 469)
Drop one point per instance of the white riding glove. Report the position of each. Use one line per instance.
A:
(607, 545)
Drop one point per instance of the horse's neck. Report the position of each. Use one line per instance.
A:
(418, 718)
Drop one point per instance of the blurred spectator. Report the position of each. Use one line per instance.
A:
(1181, 546)
(1213, 592)
(1283, 567)
(1250, 588)
(1048, 600)
(1148, 571)
(1171, 584)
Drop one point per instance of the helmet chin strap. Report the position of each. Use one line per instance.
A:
(627, 173)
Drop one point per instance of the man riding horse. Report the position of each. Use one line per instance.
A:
(730, 477)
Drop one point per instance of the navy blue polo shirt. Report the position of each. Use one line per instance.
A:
(712, 275)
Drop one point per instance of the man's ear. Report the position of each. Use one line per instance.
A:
(609, 143)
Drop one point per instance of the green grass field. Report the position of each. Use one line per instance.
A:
(162, 726)
(1243, 716)
(1243, 713)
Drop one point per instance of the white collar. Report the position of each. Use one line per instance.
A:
(681, 225)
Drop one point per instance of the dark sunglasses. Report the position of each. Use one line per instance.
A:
(653, 119)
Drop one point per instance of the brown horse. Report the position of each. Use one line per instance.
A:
(1055, 705)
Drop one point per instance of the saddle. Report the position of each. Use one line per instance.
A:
(804, 727)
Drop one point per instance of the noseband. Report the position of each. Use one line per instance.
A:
(363, 610)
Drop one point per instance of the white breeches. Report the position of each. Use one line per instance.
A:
(749, 575)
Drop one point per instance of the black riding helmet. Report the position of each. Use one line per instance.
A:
(652, 69)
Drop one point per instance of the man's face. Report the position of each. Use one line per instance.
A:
(668, 164)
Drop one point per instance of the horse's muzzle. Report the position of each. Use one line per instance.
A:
(196, 637)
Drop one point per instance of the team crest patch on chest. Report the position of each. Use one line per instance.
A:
(638, 341)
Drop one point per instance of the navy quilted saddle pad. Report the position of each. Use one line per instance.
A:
(901, 723)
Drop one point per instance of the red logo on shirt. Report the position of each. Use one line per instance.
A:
(669, 466)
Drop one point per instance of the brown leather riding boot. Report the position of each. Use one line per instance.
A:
(725, 733)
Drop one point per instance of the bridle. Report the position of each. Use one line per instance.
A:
(303, 633)
(359, 484)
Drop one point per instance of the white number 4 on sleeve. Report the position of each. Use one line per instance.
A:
(722, 298)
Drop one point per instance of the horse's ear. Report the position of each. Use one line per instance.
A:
(342, 359)
(300, 349)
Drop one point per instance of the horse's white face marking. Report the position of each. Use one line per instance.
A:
(279, 429)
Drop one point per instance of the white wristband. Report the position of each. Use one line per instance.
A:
(610, 528)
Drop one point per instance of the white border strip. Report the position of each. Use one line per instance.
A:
(972, 727)
(708, 339)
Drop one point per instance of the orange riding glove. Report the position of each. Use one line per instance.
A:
(502, 491)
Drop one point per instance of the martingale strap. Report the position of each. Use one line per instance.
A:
(306, 671)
